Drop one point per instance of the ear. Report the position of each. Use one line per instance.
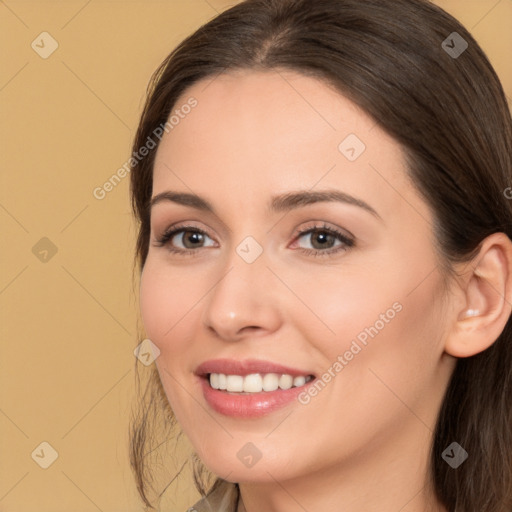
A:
(486, 299)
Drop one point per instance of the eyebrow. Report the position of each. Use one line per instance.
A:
(280, 203)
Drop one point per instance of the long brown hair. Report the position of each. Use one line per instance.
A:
(448, 111)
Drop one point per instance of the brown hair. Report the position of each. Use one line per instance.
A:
(450, 115)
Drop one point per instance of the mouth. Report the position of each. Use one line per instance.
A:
(250, 388)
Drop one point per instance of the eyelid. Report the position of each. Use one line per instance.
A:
(319, 225)
(313, 225)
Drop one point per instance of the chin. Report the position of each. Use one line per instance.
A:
(241, 462)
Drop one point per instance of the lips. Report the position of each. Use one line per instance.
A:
(246, 367)
(250, 388)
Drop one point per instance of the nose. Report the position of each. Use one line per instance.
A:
(244, 301)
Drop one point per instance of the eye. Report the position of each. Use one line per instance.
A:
(323, 239)
(186, 239)
(189, 237)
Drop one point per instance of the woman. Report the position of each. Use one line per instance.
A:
(325, 257)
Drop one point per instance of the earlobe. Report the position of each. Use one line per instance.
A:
(487, 299)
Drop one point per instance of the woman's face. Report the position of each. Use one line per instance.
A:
(356, 303)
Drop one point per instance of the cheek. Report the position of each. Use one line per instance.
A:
(397, 342)
(152, 303)
(164, 301)
(341, 306)
(387, 337)
(378, 317)
(167, 309)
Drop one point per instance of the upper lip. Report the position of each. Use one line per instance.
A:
(246, 367)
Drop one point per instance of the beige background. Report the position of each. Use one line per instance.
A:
(68, 324)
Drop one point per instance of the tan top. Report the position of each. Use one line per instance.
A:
(223, 499)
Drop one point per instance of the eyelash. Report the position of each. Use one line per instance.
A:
(173, 230)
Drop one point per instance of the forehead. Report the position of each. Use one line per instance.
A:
(265, 132)
(281, 114)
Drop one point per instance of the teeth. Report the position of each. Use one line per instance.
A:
(234, 383)
(285, 381)
(299, 381)
(255, 382)
(270, 382)
(214, 380)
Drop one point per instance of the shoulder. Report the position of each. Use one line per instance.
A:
(224, 498)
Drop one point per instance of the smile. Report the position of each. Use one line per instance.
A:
(250, 388)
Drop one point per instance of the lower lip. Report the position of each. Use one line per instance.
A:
(252, 405)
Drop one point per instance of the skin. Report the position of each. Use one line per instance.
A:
(362, 443)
